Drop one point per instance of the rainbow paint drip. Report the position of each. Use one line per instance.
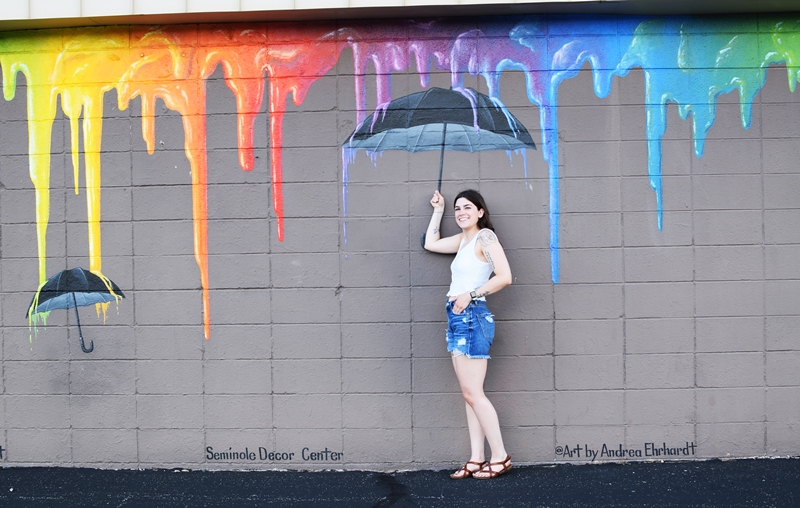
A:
(688, 61)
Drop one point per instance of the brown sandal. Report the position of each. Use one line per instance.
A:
(490, 473)
(465, 471)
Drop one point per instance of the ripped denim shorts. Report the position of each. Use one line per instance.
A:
(471, 332)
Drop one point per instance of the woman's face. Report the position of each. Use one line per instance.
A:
(466, 213)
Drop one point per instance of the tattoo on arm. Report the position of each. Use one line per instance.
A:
(481, 295)
(489, 258)
(487, 237)
(435, 230)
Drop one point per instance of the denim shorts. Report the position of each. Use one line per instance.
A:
(471, 332)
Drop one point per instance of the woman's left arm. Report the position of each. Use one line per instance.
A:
(495, 255)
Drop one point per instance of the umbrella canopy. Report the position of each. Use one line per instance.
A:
(71, 289)
(437, 118)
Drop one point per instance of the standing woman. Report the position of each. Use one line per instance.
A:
(470, 325)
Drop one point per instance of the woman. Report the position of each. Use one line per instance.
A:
(470, 324)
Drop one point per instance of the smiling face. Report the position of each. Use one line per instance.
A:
(467, 214)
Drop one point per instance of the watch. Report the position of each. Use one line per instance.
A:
(472, 295)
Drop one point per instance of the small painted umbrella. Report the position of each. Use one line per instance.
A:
(70, 289)
(441, 119)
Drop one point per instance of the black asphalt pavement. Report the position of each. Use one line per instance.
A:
(735, 483)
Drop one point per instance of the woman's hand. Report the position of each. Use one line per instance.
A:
(437, 202)
(461, 303)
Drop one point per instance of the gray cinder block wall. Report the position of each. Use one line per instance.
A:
(328, 351)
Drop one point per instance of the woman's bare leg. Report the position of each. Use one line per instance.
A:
(471, 373)
(476, 435)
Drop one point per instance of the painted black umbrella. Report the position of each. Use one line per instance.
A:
(70, 289)
(441, 119)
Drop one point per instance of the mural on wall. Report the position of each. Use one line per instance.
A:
(688, 61)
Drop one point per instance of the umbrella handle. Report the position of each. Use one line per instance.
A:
(441, 157)
(80, 333)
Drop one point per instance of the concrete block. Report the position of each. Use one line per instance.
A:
(782, 226)
(390, 167)
(375, 269)
(522, 302)
(529, 231)
(731, 440)
(425, 269)
(517, 196)
(728, 125)
(240, 306)
(726, 192)
(522, 338)
(782, 368)
(377, 200)
(669, 300)
(163, 377)
(301, 443)
(257, 444)
(781, 297)
(37, 412)
(730, 369)
(165, 272)
(163, 203)
(729, 227)
(306, 376)
(170, 446)
(376, 411)
(730, 334)
(39, 446)
(659, 264)
(590, 265)
(235, 342)
(782, 404)
(444, 447)
(590, 195)
(775, 156)
(428, 340)
(237, 377)
(589, 337)
(307, 235)
(658, 435)
(237, 411)
(378, 445)
(530, 444)
(163, 237)
(659, 407)
(169, 411)
(783, 126)
(778, 191)
(743, 156)
(780, 261)
(311, 199)
(434, 375)
(659, 371)
(384, 340)
(530, 266)
(306, 167)
(745, 262)
(239, 236)
(104, 446)
(730, 405)
(638, 196)
(782, 439)
(428, 304)
(19, 241)
(297, 125)
(781, 332)
(640, 229)
(376, 375)
(503, 374)
(306, 341)
(305, 306)
(20, 343)
(523, 409)
(102, 411)
(729, 298)
(591, 230)
(594, 159)
(169, 342)
(588, 301)
(95, 377)
(437, 410)
(377, 234)
(18, 206)
(305, 270)
(36, 377)
(588, 372)
(590, 123)
(319, 411)
(385, 305)
(117, 241)
(589, 408)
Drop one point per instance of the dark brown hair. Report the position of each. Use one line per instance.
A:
(476, 199)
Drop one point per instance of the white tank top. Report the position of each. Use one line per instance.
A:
(467, 271)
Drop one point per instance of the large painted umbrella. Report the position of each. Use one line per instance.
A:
(72, 288)
(441, 119)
